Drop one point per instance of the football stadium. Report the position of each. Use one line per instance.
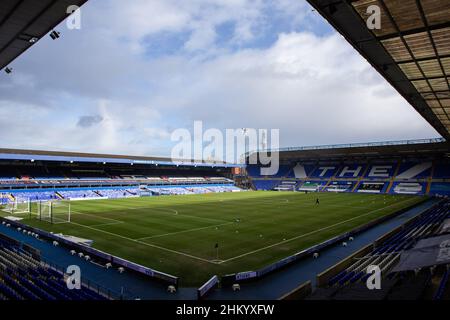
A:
(356, 221)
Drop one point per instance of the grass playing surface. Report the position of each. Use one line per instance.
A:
(178, 234)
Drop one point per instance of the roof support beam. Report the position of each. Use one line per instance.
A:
(429, 78)
(401, 35)
(444, 56)
(416, 30)
(47, 7)
(425, 22)
(24, 22)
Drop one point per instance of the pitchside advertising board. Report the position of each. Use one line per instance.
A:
(144, 270)
(133, 266)
(210, 284)
(246, 275)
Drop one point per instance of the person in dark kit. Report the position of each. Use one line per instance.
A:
(317, 201)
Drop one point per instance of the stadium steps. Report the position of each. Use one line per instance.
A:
(391, 182)
(98, 193)
(430, 179)
(389, 186)
(252, 185)
(332, 178)
(291, 170)
(361, 178)
(60, 196)
(356, 186)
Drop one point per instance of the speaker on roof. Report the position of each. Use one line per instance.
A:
(55, 34)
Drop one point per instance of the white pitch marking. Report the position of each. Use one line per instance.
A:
(108, 224)
(180, 214)
(144, 243)
(95, 216)
(167, 209)
(184, 231)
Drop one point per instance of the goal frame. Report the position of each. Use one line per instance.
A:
(17, 207)
(47, 211)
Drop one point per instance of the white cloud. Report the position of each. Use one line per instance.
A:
(139, 19)
(315, 88)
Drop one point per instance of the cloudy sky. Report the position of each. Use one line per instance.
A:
(139, 69)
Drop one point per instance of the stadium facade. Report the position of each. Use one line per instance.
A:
(39, 175)
(420, 167)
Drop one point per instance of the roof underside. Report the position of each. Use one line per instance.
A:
(27, 155)
(411, 49)
(437, 150)
(24, 20)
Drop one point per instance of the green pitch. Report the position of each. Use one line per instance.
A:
(178, 234)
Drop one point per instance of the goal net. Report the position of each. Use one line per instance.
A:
(17, 207)
(54, 211)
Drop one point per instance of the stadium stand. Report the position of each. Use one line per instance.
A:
(430, 280)
(117, 193)
(24, 277)
(264, 184)
(79, 194)
(388, 171)
(52, 178)
(111, 193)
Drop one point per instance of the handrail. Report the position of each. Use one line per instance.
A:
(353, 145)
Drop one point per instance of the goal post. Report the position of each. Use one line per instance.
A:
(18, 207)
(54, 212)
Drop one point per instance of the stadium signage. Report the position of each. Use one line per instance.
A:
(133, 266)
(210, 284)
(246, 275)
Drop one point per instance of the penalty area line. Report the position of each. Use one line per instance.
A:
(145, 243)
